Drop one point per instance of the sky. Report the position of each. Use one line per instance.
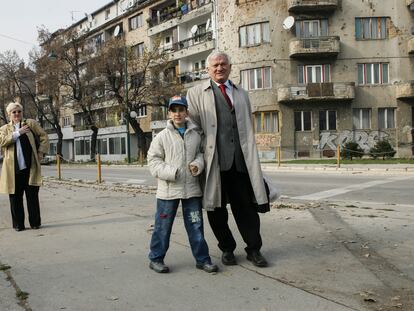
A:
(19, 20)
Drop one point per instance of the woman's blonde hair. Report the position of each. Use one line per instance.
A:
(10, 107)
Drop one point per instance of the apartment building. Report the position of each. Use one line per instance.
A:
(185, 30)
(321, 73)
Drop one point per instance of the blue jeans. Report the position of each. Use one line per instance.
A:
(193, 221)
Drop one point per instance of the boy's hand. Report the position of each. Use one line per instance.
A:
(193, 169)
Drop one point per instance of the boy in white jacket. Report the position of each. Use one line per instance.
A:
(174, 158)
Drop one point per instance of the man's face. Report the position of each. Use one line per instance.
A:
(219, 69)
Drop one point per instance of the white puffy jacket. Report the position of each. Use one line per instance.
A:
(169, 158)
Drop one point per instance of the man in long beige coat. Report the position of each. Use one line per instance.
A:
(233, 174)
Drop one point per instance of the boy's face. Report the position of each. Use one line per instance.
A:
(177, 114)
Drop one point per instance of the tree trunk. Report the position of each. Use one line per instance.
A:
(142, 146)
(60, 141)
(94, 138)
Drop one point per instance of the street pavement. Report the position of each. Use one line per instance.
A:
(91, 254)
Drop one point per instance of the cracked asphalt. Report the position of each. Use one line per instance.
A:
(91, 254)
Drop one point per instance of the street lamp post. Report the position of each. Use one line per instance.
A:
(126, 105)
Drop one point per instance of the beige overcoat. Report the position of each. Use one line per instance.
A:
(7, 150)
(202, 111)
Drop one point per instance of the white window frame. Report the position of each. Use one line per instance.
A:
(254, 34)
(66, 122)
(358, 121)
(327, 119)
(302, 120)
(142, 112)
(373, 73)
(139, 49)
(250, 78)
(387, 117)
(136, 21)
(263, 126)
(303, 74)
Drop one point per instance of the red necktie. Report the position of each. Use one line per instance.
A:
(226, 97)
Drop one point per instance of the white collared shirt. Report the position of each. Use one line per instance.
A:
(20, 157)
(229, 89)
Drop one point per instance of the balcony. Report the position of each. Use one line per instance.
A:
(411, 46)
(304, 6)
(177, 16)
(314, 47)
(158, 120)
(405, 90)
(317, 92)
(191, 46)
(188, 78)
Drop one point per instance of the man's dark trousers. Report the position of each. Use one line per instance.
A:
(236, 187)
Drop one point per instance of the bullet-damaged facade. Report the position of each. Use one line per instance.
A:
(332, 72)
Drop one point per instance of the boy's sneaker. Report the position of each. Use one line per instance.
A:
(159, 266)
(207, 267)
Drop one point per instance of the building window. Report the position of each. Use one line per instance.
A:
(52, 148)
(107, 14)
(138, 49)
(303, 121)
(373, 73)
(254, 34)
(142, 111)
(327, 120)
(371, 28)
(137, 80)
(102, 145)
(136, 22)
(82, 147)
(266, 122)
(66, 121)
(311, 28)
(361, 118)
(386, 118)
(117, 145)
(98, 40)
(314, 73)
(257, 78)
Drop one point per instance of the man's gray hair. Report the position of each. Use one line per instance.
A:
(12, 106)
(216, 54)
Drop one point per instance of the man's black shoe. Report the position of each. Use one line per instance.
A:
(159, 267)
(207, 267)
(257, 259)
(228, 259)
(19, 228)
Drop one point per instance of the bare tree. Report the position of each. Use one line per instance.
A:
(135, 79)
(67, 53)
(17, 82)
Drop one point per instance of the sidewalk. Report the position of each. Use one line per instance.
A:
(352, 168)
(91, 254)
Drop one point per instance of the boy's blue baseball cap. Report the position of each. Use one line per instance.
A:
(178, 100)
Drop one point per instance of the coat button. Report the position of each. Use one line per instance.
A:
(213, 125)
(211, 147)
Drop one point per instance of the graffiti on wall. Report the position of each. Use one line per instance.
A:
(365, 139)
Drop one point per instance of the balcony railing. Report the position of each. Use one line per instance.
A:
(320, 47)
(176, 12)
(298, 6)
(188, 77)
(184, 44)
(411, 46)
(332, 91)
(405, 90)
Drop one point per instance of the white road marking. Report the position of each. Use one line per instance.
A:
(333, 192)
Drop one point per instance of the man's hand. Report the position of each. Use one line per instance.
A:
(193, 170)
(40, 156)
(24, 129)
